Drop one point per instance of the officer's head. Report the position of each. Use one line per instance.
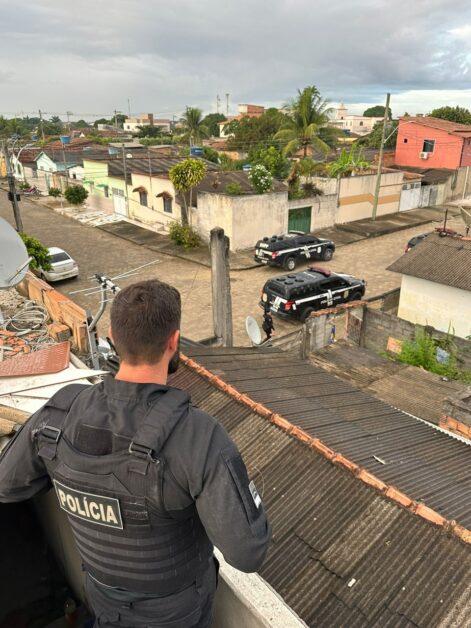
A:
(145, 323)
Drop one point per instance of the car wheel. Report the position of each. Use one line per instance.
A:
(306, 314)
(290, 263)
(355, 296)
(327, 255)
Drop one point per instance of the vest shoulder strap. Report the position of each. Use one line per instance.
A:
(159, 422)
(56, 410)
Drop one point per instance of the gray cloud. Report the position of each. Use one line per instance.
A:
(90, 56)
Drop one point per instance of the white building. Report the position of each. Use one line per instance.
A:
(361, 125)
(436, 284)
(147, 119)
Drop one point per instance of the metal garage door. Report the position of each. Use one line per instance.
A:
(299, 219)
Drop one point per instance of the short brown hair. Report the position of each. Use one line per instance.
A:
(143, 316)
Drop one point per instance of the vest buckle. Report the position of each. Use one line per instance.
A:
(51, 433)
(142, 452)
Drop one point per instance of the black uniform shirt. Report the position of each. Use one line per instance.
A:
(203, 465)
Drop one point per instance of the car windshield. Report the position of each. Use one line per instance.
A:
(59, 257)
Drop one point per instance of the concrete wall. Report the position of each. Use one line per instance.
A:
(245, 219)
(443, 307)
(356, 196)
(323, 209)
(379, 326)
(458, 184)
(327, 184)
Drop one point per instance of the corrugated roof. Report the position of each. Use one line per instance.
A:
(216, 182)
(444, 260)
(353, 423)
(343, 554)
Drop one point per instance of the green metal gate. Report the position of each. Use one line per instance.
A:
(299, 219)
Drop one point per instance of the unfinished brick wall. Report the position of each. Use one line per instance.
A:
(377, 327)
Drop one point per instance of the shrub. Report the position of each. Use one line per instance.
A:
(233, 189)
(24, 185)
(55, 192)
(184, 235)
(37, 251)
(260, 179)
(76, 194)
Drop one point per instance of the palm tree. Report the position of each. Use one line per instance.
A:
(192, 121)
(308, 112)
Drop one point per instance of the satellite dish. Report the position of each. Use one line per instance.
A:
(14, 260)
(253, 330)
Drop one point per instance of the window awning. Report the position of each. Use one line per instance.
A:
(140, 189)
(164, 195)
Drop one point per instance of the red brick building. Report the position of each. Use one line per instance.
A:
(426, 142)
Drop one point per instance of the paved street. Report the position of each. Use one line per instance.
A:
(98, 251)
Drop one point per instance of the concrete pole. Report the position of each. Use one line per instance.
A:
(221, 287)
(380, 159)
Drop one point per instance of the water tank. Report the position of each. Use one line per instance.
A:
(247, 167)
(65, 139)
(196, 151)
(112, 150)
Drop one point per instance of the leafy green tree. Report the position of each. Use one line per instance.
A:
(184, 235)
(118, 120)
(211, 121)
(55, 192)
(194, 128)
(377, 112)
(39, 254)
(185, 176)
(55, 120)
(348, 161)
(453, 114)
(273, 160)
(76, 194)
(250, 132)
(260, 179)
(150, 131)
(373, 139)
(101, 121)
(308, 112)
(226, 163)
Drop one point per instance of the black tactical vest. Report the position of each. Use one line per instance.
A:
(114, 502)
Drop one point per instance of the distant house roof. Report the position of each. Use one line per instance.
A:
(428, 176)
(443, 260)
(216, 182)
(462, 130)
(347, 549)
(156, 165)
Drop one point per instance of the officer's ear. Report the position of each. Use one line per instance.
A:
(173, 341)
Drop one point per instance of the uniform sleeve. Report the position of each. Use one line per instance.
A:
(230, 507)
(22, 472)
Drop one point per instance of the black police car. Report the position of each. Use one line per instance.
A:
(287, 250)
(299, 294)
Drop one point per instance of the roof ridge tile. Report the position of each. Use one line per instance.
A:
(417, 508)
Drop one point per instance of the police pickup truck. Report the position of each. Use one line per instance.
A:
(299, 294)
(289, 249)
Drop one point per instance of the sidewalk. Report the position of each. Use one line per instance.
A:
(243, 260)
(341, 234)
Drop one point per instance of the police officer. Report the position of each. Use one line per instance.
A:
(149, 482)
(267, 325)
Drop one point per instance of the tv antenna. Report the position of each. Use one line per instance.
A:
(106, 285)
(14, 259)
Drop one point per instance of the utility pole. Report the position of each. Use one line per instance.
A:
(68, 114)
(12, 194)
(218, 102)
(380, 159)
(41, 124)
(129, 108)
(116, 118)
(227, 105)
(125, 179)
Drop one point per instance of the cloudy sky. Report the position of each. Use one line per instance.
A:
(90, 56)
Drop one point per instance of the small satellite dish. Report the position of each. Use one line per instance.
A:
(14, 260)
(253, 330)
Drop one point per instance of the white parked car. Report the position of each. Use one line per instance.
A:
(63, 266)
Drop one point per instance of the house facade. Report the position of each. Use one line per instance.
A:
(360, 125)
(436, 284)
(245, 111)
(427, 142)
(132, 124)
